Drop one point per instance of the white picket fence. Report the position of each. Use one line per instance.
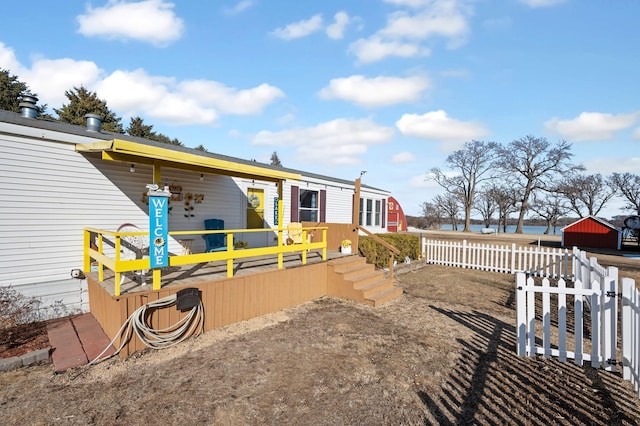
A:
(602, 305)
(593, 288)
(536, 261)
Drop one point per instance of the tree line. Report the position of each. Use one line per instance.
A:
(81, 102)
(527, 176)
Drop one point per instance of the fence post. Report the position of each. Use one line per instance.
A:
(464, 253)
(521, 310)
(596, 326)
(546, 319)
(627, 289)
(610, 318)
(577, 323)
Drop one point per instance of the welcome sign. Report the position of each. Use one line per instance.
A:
(159, 228)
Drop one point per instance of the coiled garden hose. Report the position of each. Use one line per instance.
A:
(156, 339)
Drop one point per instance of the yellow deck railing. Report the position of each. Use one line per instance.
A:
(95, 244)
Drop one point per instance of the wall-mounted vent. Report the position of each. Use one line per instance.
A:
(94, 122)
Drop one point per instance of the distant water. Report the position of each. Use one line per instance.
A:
(538, 230)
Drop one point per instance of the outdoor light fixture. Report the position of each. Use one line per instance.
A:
(132, 169)
(362, 173)
(201, 177)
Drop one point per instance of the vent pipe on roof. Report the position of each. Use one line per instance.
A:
(94, 122)
(28, 108)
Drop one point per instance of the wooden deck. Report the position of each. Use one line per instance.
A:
(257, 288)
(184, 276)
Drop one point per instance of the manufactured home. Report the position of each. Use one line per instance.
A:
(63, 184)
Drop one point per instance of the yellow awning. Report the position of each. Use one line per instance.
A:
(136, 152)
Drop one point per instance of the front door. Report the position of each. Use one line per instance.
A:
(255, 211)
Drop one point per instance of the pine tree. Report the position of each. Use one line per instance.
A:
(11, 92)
(138, 129)
(275, 161)
(83, 101)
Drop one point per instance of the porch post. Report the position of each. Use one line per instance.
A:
(157, 174)
(356, 204)
(280, 184)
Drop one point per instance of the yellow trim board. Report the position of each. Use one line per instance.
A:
(121, 150)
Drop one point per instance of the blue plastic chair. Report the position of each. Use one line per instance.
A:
(214, 242)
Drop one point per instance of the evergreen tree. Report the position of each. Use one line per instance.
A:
(275, 160)
(138, 129)
(83, 101)
(11, 92)
(166, 139)
(201, 148)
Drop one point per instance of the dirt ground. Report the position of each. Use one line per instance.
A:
(443, 353)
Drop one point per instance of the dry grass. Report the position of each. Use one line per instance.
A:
(443, 353)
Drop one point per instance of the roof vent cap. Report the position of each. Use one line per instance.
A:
(28, 108)
(94, 122)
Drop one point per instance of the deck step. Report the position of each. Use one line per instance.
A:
(370, 289)
(385, 296)
(361, 282)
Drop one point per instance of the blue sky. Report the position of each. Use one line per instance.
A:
(337, 87)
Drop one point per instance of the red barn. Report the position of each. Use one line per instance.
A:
(593, 233)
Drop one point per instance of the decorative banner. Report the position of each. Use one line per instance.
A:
(159, 228)
(275, 210)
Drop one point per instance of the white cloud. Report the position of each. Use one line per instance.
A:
(403, 157)
(336, 30)
(438, 126)
(151, 21)
(636, 134)
(375, 92)
(407, 31)
(131, 93)
(8, 59)
(444, 21)
(50, 78)
(592, 126)
(238, 7)
(299, 29)
(421, 182)
(603, 164)
(230, 100)
(337, 142)
(541, 3)
(410, 3)
(374, 49)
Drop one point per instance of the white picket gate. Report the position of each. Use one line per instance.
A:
(631, 333)
(601, 303)
(537, 261)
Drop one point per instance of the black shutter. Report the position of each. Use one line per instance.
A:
(323, 203)
(295, 201)
(384, 211)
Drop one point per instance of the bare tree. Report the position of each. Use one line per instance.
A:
(486, 205)
(449, 205)
(505, 197)
(473, 164)
(432, 215)
(587, 194)
(627, 186)
(549, 206)
(535, 162)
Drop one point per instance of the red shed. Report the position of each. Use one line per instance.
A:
(593, 233)
(396, 221)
